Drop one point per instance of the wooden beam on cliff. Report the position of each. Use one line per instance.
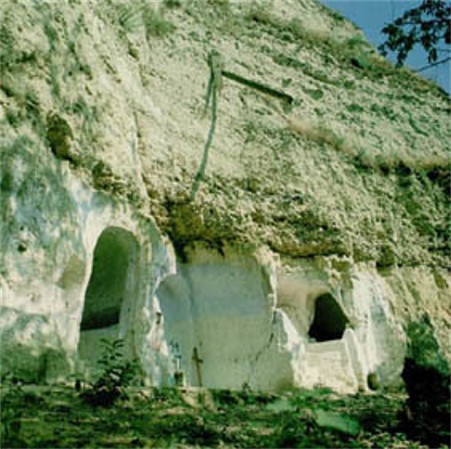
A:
(258, 86)
(215, 83)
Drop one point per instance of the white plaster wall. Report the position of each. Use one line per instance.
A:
(278, 366)
(329, 364)
(380, 337)
(250, 327)
(224, 306)
(232, 313)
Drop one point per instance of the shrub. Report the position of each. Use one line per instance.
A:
(132, 17)
(59, 136)
(11, 412)
(155, 23)
(129, 17)
(427, 378)
(116, 375)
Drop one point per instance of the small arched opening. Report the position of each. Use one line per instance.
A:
(329, 322)
(109, 294)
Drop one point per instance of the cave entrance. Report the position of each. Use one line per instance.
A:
(329, 322)
(108, 297)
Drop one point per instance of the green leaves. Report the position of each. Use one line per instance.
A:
(427, 25)
(116, 374)
(129, 17)
(133, 16)
(281, 405)
(336, 421)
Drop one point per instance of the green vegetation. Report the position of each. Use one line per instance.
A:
(115, 376)
(27, 107)
(89, 115)
(316, 94)
(427, 377)
(129, 17)
(428, 25)
(104, 178)
(149, 417)
(155, 24)
(172, 4)
(59, 135)
(306, 68)
(10, 413)
(354, 108)
(433, 167)
(134, 16)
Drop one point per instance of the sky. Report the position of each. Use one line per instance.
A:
(372, 15)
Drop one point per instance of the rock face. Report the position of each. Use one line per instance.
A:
(317, 236)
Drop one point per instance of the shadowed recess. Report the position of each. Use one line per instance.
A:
(329, 322)
(107, 285)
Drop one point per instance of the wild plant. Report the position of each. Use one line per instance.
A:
(116, 374)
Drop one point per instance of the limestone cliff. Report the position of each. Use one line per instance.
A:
(319, 232)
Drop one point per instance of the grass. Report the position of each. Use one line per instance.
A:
(172, 4)
(57, 417)
(155, 24)
(129, 17)
(320, 134)
(399, 163)
(134, 16)
(89, 115)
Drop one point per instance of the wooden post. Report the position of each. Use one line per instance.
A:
(197, 361)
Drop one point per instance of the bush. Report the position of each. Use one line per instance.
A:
(155, 24)
(11, 412)
(427, 378)
(131, 17)
(115, 376)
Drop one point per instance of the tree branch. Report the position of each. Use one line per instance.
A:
(440, 22)
(434, 64)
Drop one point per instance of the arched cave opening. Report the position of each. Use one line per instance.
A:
(109, 289)
(329, 322)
